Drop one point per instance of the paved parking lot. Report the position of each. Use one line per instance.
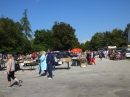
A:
(107, 79)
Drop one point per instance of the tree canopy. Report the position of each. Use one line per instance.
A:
(26, 28)
(63, 36)
(113, 38)
(11, 36)
(42, 40)
(17, 37)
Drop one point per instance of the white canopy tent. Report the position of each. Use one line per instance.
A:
(111, 47)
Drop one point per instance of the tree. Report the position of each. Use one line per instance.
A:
(75, 42)
(87, 45)
(125, 34)
(96, 41)
(11, 36)
(43, 40)
(116, 38)
(107, 38)
(63, 36)
(26, 25)
(82, 46)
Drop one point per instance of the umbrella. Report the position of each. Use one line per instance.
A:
(76, 50)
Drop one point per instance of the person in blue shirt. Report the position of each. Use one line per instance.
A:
(49, 63)
(42, 64)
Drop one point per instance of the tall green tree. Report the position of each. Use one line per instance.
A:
(87, 45)
(75, 43)
(43, 40)
(64, 36)
(96, 41)
(125, 34)
(82, 46)
(107, 38)
(11, 36)
(26, 25)
(116, 38)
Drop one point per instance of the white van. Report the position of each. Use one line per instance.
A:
(128, 53)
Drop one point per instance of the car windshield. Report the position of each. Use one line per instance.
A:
(128, 51)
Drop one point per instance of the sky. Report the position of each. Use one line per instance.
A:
(86, 16)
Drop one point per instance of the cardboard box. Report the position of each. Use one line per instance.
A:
(66, 59)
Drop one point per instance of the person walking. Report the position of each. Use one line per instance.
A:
(54, 61)
(88, 56)
(11, 70)
(49, 63)
(92, 58)
(42, 64)
(100, 55)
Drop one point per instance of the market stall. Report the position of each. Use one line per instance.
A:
(67, 60)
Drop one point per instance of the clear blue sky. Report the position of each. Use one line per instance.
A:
(86, 16)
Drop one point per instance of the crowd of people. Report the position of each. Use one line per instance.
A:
(46, 61)
(108, 54)
(112, 54)
(90, 56)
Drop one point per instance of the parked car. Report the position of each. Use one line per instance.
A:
(128, 53)
(63, 54)
(73, 54)
(120, 51)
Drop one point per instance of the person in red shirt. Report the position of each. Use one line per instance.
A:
(33, 55)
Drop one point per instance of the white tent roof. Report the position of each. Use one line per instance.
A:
(111, 47)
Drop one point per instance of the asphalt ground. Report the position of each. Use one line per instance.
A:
(105, 79)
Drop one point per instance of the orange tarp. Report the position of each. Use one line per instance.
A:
(76, 50)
